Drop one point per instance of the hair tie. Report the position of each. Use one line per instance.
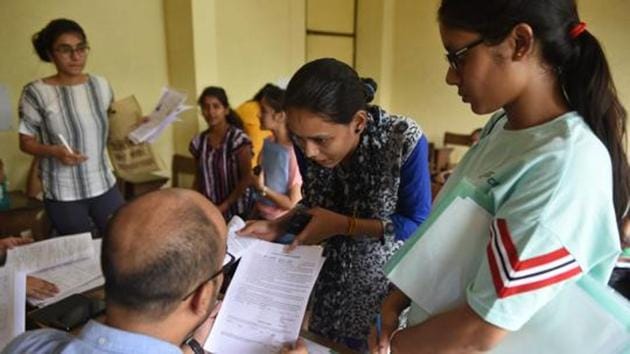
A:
(577, 30)
(369, 88)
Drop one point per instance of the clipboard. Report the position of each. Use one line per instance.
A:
(446, 263)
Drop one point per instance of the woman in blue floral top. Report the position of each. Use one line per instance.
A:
(366, 190)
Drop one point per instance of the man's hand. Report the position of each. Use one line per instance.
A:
(298, 348)
(39, 288)
(10, 242)
(203, 331)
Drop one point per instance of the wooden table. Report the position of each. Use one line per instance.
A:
(23, 215)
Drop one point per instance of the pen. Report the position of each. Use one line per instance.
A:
(65, 143)
(379, 328)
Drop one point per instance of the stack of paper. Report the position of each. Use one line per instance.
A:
(33, 258)
(12, 307)
(265, 303)
(73, 277)
(170, 105)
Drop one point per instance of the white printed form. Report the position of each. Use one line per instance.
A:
(266, 300)
(12, 306)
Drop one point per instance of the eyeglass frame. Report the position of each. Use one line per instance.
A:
(219, 272)
(456, 56)
(81, 49)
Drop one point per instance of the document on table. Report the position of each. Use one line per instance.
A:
(12, 306)
(237, 245)
(265, 303)
(52, 252)
(73, 277)
(170, 105)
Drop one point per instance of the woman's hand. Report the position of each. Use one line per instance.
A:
(68, 158)
(39, 288)
(262, 229)
(323, 224)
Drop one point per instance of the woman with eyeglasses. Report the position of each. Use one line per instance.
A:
(63, 121)
(551, 159)
(367, 189)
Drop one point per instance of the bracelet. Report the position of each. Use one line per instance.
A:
(263, 192)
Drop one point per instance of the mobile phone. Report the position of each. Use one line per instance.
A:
(298, 222)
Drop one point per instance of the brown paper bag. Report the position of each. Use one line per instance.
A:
(128, 158)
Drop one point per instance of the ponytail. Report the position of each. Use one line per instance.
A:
(591, 91)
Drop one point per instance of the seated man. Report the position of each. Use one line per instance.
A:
(162, 261)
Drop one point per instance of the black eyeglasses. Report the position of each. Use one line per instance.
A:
(455, 58)
(66, 50)
(226, 265)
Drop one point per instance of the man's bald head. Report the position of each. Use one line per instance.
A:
(159, 247)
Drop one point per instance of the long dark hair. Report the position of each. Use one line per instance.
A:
(580, 62)
(274, 95)
(330, 88)
(219, 93)
(43, 40)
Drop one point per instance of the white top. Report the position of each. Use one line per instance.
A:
(79, 114)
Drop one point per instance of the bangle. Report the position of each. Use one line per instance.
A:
(352, 225)
(394, 333)
(263, 192)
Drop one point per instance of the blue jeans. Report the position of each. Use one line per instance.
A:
(83, 215)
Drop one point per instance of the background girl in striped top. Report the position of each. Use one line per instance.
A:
(223, 155)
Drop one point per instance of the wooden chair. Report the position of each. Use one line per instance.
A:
(182, 164)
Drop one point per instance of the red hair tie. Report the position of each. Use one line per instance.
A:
(577, 30)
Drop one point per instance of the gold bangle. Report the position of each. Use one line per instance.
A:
(352, 225)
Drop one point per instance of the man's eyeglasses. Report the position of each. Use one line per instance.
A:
(455, 58)
(228, 261)
(66, 50)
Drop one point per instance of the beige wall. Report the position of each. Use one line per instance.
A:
(419, 68)
(258, 41)
(142, 45)
(128, 48)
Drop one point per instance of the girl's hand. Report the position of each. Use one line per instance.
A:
(262, 229)
(67, 158)
(381, 344)
(223, 208)
(323, 224)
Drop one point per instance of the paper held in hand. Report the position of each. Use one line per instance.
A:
(265, 303)
(170, 105)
